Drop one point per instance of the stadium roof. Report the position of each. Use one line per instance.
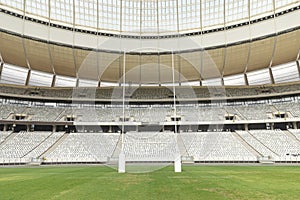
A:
(211, 41)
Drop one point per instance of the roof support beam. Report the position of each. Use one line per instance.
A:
(201, 43)
(73, 50)
(28, 77)
(120, 71)
(158, 55)
(298, 67)
(97, 62)
(1, 65)
(97, 52)
(140, 56)
(159, 71)
(1, 58)
(179, 68)
(1, 68)
(77, 80)
(49, 49)
(140, 70)
(298, 63)
(246, 79)
(249, 44)
(23, 38)
(53, 80)
(275, 44)
(271, 75)
(225, 48)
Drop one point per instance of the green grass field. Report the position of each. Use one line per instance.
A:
(195, 182)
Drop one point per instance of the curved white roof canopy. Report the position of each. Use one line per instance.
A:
(239, 38)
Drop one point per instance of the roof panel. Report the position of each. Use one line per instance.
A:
(12, 50)
(38, 56)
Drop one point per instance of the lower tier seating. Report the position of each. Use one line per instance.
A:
(239, 146)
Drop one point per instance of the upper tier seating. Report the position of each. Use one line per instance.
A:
(149, 113)
(291, 107)
(6, 110)
(182, 92)
(255, 112)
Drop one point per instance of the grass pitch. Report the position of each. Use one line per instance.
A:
(195, 182)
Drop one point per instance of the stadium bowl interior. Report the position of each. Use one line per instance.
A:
(214, 81)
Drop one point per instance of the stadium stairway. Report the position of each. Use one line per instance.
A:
(181, 146)
(292, 136)
(37, 145)
(239, 114)
(9, 137)
(52, 147)
(274, 109)
(262, 143)
(118, 148)
(60, 115)
(4, 137)
(185, 157)
(246, 144)
(113, 160)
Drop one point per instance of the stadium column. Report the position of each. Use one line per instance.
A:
(140, 70)
(5, 127)
(297, 63)
(275, 44)
(28, 128)
(54, 128)
(201, 43)
(158, 54)
(28, 77)
(272, 126)
(246, 127)
(159, 75)
(1, 68)
(225, 48)
(1, 65)
(298, 67)
(48, 41)
(97, 51)
(73, 47)
(24, 46)
(178, 55)
(179, 68)
(294, 125)
(249, 45)
(271, 75)
(53, 80)
(246, 78)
